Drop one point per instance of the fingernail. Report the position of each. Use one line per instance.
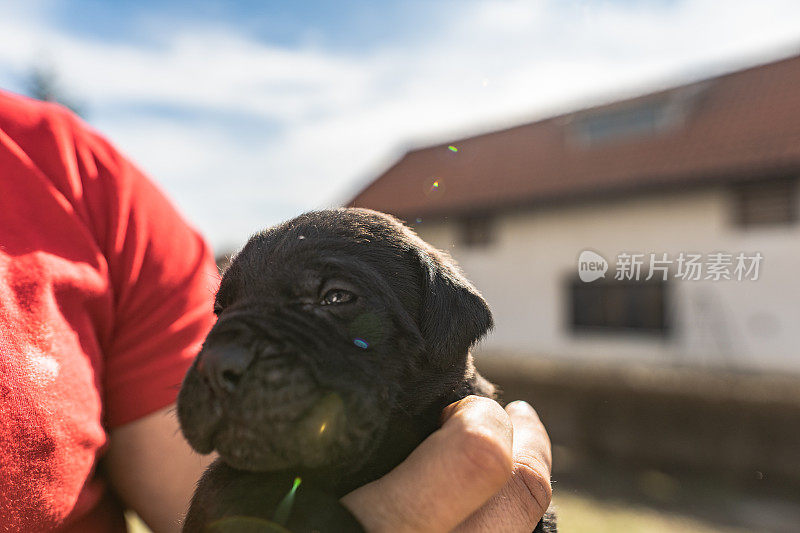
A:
(520, 407)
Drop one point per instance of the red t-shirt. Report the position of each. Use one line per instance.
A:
(105, 295)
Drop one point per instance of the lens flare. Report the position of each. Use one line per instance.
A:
(361, 343)
(325, 418)
(434, 186)
(285, 507)
(452, 148)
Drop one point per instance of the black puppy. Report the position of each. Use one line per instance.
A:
(341, 337)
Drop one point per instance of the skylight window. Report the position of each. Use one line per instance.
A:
(638, 120)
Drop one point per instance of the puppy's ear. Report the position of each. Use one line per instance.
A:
(454, 315)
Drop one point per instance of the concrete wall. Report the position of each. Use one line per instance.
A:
(752, 325)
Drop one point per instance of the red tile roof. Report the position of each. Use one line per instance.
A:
(743, 125)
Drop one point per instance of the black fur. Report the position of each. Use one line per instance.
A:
(289, 384)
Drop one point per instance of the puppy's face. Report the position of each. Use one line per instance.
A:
(328, 324)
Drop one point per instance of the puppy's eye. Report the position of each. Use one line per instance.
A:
(337, 296)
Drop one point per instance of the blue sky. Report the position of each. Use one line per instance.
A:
(343, 25)
(247, 113)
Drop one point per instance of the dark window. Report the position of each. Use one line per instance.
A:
(611, 305)
(766, 203)
(476, 231)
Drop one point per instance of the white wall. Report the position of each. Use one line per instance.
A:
(736, 324)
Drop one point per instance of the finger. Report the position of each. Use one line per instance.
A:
(450, 475)
(530, 436)
(524, 499)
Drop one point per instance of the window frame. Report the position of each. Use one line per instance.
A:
(783, 188)
(632, 303)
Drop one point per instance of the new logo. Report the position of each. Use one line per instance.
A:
(591, 266)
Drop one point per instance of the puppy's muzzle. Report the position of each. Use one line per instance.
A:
(264, 382)
(222, 366)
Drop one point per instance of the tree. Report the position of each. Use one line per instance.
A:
(43, 84)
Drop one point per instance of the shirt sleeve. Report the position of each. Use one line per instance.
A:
(163, 277)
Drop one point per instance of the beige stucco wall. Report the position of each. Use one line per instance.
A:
(733, 324)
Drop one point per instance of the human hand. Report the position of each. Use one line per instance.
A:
(485, 469)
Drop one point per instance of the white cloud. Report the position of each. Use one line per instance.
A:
(340, 117)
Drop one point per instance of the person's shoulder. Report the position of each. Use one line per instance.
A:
(25, 113)
(43, 128)
(16, 104)
(22, 113)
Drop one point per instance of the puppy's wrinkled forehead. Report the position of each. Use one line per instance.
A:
(291, 259)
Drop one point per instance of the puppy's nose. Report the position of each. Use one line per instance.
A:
(223, 365)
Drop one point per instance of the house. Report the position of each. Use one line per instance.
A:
(703, 174)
